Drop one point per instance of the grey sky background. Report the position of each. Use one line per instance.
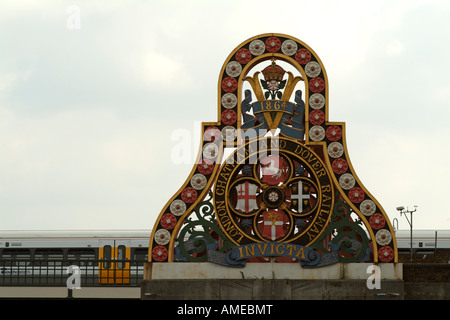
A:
(87, 115)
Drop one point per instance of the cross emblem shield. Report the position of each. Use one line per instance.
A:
(273, 224)
(300, 199)
(246, 197)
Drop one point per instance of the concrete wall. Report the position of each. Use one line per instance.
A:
(427, 290)
(351, 271)
(260, 289)
(187, 281)
(261, 281)
(426, 272)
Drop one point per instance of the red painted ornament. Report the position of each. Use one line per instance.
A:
(316, 85)
(356, 195)
(339, 166)
(206, 166)
(212, 134)
(189, 195)
(159, 253)
(386, 254)
(303, 56)
(229, 84)
(377, 221)
(243, 56)
(229, 117)
(273, 44)
(168, 221)
(317, 117)
(333, 133)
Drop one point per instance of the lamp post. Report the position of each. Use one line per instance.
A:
(394, 222)
(402, 210)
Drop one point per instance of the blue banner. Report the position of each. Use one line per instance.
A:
(237, 256)
(291, 122)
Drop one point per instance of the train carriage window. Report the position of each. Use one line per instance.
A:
(140, 255)
(81, 256)
(121, 256)
(48, 256)
(16, 257)
(107, 256)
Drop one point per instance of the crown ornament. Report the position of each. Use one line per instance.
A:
(273, 72)
(273, 82)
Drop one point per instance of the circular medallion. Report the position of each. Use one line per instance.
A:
(162, 237)
(273, 197)
(289, 47)
(168, 221)
(367, 207)
(177, 207)
(317, 133)
(335, 150)
(377, 221)
(261, 193)
(257, 47)
(233, 69)
(273, 44)
(386, 254)
(312, 69)
(229, 84)
(229, 100)
(356, 195)
(333, 133)
(159, 253)
(383, 237)
(205, 166)
(210, 151)
(317, 117)
(316, 101)
(316, 85)
(229, 117)
(189, 195)
(211, 134)
(243, 56)
(339, 166)
(229, 133)
(303, 56)
(347, 181)
(198, 181)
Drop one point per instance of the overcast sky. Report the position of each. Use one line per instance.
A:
(88, 114)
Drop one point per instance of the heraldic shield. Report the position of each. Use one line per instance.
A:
(287, 192)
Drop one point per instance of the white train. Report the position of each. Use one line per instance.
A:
(422, 240)
(113, 257)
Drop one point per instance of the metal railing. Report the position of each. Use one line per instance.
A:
(61, 273)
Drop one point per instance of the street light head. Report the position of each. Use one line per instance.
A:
(400, 208)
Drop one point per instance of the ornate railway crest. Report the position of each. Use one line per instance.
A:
(286, 195)
(288, 190)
